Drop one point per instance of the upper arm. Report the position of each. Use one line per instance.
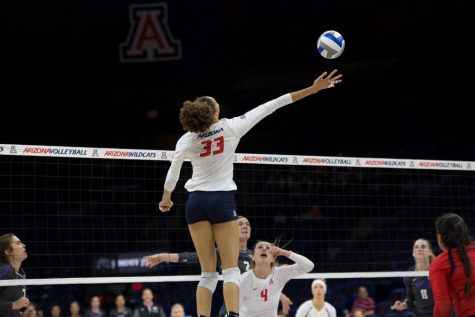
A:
(288, 272)
(409, 290)
(242, 124)
(302, 265)
(443, 308)
(332, 312)
(439, 280)
(5, 306)
(177, 161)
(299, 311)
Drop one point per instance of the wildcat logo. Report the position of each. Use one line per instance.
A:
(149, 38)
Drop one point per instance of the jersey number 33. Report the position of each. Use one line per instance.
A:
(212, 147)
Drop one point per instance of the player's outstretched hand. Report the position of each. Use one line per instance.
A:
(152, 260)
(325, 81)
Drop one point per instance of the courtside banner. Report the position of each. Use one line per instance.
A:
(243, 158)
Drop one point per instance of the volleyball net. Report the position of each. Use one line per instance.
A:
(89, 215)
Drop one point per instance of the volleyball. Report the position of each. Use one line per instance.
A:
(330, 44)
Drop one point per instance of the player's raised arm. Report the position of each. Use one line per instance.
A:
(182, 257)
(242, 124)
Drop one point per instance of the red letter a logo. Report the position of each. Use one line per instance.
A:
(149, 38)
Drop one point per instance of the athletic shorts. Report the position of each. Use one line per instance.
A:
(215, 207)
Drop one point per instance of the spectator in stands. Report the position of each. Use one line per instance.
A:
(12, 298)
(95, 310)
(419, 298)
(178, 310)
(39, 312)
(55, 311)
(74, 309)
(452, 274)
(148, 308)
(31, 311)
(317, 306)
(120, 309)
(363, 302)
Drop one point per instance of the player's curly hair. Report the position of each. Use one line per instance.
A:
(197, 116)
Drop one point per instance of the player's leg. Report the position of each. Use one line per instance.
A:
(226, 235)
(202, 235)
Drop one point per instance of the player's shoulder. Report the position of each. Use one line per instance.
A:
(6, 271)
(232, 122)
(186, 138)
(225, 123)
(471, 248)
(440, 259)
(247, 275)
(306, 304)
(245, 253)
(411, 268)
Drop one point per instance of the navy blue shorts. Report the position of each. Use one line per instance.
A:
(215, 207)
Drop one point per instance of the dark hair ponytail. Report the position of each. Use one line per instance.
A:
(5, 245)
(454, 234)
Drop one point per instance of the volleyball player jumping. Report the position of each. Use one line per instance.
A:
(210, 144)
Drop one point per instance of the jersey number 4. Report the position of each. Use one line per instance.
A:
(207, 146)
(264, 294)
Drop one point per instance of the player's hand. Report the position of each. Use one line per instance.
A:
(165, 205)
(286, 302)
(324, 81)
(398, 305)
(152, 260)
(276, 251)
(20, 303)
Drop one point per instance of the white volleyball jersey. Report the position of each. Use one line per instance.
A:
(260, 297)
(308, 310)
(212, 152)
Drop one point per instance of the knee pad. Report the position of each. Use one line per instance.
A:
(209, 280)
(232, 275)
